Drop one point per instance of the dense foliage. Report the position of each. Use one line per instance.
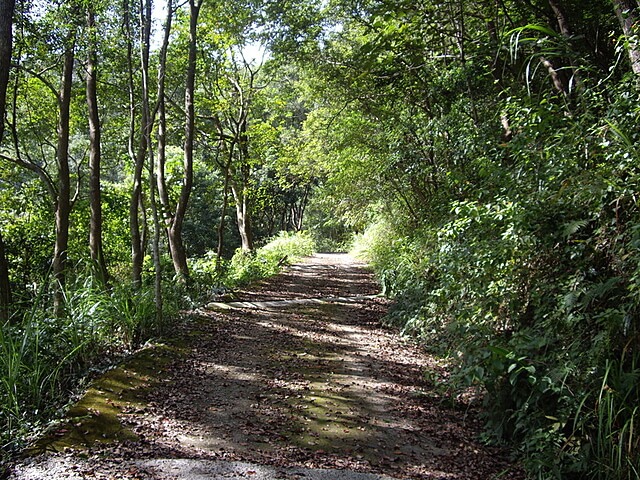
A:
(493, 154)
(133, 165)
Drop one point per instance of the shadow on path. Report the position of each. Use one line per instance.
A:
(315, 385)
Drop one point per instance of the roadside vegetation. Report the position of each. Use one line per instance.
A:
(46, 359)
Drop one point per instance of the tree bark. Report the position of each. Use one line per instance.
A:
(628, 13)
(5, 285)
(176, 244)
(137, 250)
(225, 205)
(99, 266)
(556, 77)
(569, 75)
(561, 18)
(156, 175)
(243, 214)
(63, 204)
(6, 42)
(161, 157)
(240, 192)
(163, 192)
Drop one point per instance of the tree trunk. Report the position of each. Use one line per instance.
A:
(628, 14)
(155, 243)
(95, 198)
(240, 192)
(156, 177)
(242, 215)
(5, 285)
(569, 75)
(179, 263)
(300, 208)
(137, 250)
(176, 245)
(63, 204)
(561, 18)
(225, 204)
(162, 126)
(556, 77)
(6, 41)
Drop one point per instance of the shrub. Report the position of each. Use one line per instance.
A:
(246, 267)
(283, 249)
(538, 313)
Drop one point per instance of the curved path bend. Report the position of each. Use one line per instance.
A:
(296, 379)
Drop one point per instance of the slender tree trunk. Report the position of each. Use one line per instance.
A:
(300, 209)
(6, 41)
(556, 77)
(128, 35)
(242, 215)
(161, 184)
(156, 177)
(137, 250)
(161, 156)
(63, 204)
(561, 17)
(628, 13)
(95, 197)
(240, 191)
(176, 245)
(157, 264)
(569, 76)
(225, 205)
(155, 242)
(5, 285)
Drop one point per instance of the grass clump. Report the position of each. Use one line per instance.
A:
(44, 357)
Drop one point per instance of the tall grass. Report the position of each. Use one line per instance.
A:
(247, 267)
(42, 356)
(611, 426)
(285, 248)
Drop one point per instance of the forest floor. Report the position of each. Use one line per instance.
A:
(297, 379)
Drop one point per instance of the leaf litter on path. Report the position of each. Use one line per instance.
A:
(321, 385)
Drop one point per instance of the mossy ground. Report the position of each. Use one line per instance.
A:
(97, 416)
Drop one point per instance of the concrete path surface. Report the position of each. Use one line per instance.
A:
(296, 379)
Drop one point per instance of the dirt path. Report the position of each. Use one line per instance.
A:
(274, 388)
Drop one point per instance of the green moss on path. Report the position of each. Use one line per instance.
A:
(97, 416)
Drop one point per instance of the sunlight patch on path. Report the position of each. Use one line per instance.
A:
(67, 468)
(207, 470)
(277, 304)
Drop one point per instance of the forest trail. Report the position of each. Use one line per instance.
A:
(296, 379)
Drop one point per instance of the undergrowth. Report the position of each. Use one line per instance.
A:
(246, 267)
(552, 341)
(43, 357)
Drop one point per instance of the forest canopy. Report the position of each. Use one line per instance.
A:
(481, 155)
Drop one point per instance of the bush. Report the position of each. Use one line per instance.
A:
(283, 249)
(246, 267)
(538, 313)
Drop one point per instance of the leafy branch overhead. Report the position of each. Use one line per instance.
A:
(481, 155)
